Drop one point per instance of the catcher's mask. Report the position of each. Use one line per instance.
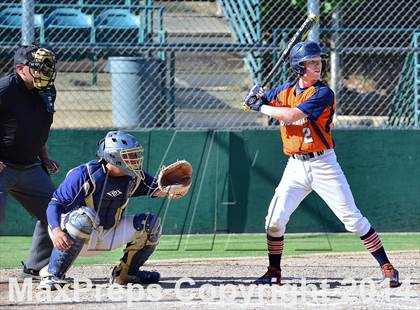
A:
(123, 151)
(41, 63)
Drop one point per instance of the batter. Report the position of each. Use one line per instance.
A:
(305, 110)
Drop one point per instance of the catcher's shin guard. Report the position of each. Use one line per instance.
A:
(61, 261)
(272, 276)
(138, 251)
(81, 222)
(128, 269)
(390, 275)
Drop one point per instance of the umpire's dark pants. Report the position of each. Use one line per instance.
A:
(32, 187)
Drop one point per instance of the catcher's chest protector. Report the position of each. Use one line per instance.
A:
(107, 195)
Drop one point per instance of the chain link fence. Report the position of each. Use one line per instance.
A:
(188, 64)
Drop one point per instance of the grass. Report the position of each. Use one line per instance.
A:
(14, 249)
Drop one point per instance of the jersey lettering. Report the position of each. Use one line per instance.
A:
(307, 137)
(298, 122)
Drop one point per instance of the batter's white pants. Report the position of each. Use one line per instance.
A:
(322, 174)
(102, 241)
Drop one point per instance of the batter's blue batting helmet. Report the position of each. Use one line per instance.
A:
(301, 52)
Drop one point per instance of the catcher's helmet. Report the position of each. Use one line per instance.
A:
(301, 52)
(41, 63)
(124, 151)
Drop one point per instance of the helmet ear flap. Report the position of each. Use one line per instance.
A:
(100, 141)
(101, 148)
(299, 70)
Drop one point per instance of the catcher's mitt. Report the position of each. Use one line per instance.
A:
(175, 179)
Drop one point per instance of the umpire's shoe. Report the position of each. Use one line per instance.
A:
(272, 276)
(390, 274)
(29, 273)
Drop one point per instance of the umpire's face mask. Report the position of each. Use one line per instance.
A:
(42, 68)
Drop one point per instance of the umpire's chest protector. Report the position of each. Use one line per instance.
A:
(107, 195)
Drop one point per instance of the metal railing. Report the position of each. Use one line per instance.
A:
(244, 20)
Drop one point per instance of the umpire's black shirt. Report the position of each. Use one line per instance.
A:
(25, 120)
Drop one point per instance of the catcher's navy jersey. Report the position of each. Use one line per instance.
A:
(84, 186)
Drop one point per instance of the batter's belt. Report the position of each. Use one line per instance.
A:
(306, 156)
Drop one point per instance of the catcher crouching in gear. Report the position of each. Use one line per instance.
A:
(85, 215)
(305, 110)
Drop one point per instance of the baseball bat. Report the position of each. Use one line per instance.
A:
(299, 36)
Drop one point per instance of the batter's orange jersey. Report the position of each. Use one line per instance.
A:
(312, 133)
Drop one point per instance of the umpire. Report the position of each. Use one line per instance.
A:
(26, 113)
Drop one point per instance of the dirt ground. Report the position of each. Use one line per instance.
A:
(320, 281)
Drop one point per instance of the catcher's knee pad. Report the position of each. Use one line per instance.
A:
(149, 224)
(81, 222)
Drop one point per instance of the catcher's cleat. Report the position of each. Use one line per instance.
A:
(272, 276)
(147, 277)
(141, 277)
(43, 273)
(389, 273)
(52, 283)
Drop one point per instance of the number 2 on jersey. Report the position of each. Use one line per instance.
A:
(307, 136)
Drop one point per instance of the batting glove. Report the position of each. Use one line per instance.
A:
(253, 99)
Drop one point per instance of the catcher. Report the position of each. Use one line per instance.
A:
(85, 215)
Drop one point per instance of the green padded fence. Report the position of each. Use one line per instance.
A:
(236, 172)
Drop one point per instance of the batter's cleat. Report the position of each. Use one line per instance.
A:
(141, 277)
(390, 274)
(52, 283)
(272, 276)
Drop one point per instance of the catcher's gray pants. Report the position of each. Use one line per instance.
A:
(32, 188)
